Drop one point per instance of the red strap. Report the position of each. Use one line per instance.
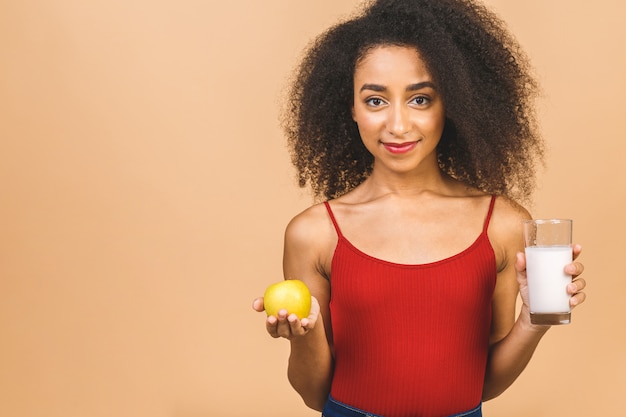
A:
(332, 218)
(491, 204)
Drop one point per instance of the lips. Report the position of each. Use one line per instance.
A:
(399, 148)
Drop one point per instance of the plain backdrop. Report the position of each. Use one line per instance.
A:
(145, 186)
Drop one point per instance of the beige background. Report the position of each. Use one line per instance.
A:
(145, 187)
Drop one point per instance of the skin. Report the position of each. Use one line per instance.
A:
(412, 213)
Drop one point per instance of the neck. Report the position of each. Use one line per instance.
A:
(407, 183)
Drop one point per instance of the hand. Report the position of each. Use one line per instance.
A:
(574, 269)
(289, 326)
(578, 284)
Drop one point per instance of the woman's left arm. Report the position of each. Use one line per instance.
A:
(513, 342)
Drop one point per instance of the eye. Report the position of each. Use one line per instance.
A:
(421, 100)
(374, 101)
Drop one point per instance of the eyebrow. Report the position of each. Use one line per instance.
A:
(413, 87)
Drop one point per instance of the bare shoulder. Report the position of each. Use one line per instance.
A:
(309, 226)
(310, 239)
(507, 212)
(505, 229)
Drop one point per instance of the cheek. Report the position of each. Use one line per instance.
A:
(440, 126)
(433, 123)
(368, 122)
(367, 130)
(436, 126)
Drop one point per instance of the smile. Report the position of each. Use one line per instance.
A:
(399, 148)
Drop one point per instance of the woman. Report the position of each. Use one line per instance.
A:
(414, 121)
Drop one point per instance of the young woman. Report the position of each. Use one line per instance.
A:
(413, 121)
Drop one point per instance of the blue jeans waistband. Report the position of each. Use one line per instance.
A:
(334, 408)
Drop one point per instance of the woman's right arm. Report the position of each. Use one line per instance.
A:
(307, 252)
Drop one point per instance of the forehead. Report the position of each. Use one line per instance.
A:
(391, 61)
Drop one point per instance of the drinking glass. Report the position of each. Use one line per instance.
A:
(548, 247)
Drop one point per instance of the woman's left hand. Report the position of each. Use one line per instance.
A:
(575, 269)
(578, 284)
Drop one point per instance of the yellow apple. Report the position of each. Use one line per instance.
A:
(291, 295)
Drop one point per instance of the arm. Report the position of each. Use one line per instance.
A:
(308, 250)
(509, 355)
(513, 342)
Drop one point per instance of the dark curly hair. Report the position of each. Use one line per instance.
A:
(490, 140)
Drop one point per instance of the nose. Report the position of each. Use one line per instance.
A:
(398, 121)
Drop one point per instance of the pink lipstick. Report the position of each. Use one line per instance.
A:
(399, 148)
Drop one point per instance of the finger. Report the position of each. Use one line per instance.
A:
(520, 262)
(309, 322)
(257, 304)
(574, 269)
(576, 249)
(283, 329)
(271, 325)
(577, 299)
(295, 325)
(576, 286)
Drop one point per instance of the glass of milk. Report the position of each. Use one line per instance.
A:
(548, 246)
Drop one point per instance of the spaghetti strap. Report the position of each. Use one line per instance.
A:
(489, 213)
(332, 218)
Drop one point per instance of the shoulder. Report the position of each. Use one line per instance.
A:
(505, 229)
(310, 237)
(508, 215)
(309, 224)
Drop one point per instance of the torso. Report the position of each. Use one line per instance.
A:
(423, 331)
(411, 232)
(409, 229)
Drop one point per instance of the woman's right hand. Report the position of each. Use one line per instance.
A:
(289, 326)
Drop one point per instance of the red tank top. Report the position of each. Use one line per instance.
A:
(411, 340)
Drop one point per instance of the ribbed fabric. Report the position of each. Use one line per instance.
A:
(411, 340)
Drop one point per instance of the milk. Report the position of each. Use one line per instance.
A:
(547, 281)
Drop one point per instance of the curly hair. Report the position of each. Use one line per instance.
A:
(490, 139)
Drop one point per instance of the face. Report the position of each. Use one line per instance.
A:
(397, 108)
